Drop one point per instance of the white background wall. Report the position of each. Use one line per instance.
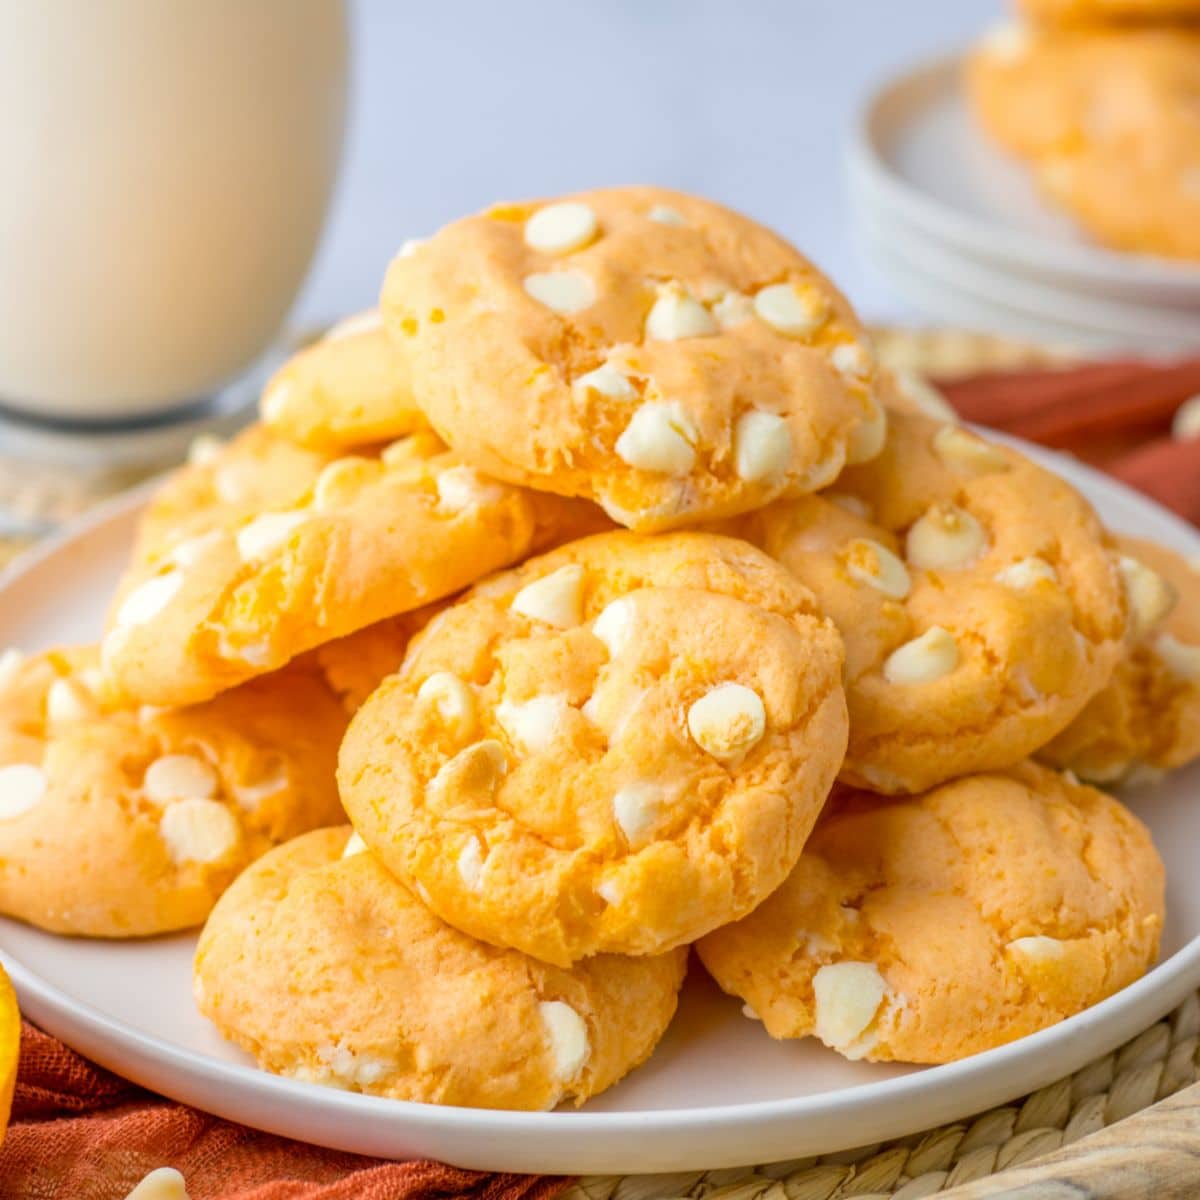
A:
(456, 103)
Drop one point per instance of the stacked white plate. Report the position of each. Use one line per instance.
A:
(960, 232)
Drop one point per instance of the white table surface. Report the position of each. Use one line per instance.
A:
(456, 103)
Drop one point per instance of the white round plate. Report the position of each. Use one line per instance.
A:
(921, 165)
(718, 1092)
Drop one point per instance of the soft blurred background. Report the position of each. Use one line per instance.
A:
(456, 104)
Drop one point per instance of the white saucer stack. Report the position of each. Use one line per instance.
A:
(959, 231)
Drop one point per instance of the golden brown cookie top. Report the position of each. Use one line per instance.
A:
(612, 748)
(329, 970)
(650, 350)
(928, 928)
(1102, 12)
(950, 563)
(122, 822)
(237, 589)
(348, 389)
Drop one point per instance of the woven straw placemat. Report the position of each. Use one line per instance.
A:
(1157, 1064)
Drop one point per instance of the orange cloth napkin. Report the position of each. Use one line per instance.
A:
(80, 1133)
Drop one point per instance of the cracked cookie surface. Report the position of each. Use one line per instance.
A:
(613, 748)
(125, 822)
(978, 597)
(927, 928)
(1147, 719)
(652, 351)
(326, 968)
(238, 588)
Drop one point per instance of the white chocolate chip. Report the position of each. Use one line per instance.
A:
(926, 658)
(606, 380)
(1185, 425)
(479, 767)
(963, 451)
(922, 395)
(250, 795)
(733, 309)
(274, 401)
(190, 551)
(727, 721)
(452, 700)
(875, 565)
(1181, 658)
(198, 830)
(855, 505)
(1037, 948)
(163, 1183)
(665, 216)
(867, 438)
(677, 314)
(847, 997)
(232, 482)
(609, 891)
(462, 487)
(1008, 42)
(203, 449)
(556, 599)
(532, 726)
(636, 807)
(852, 360)
(470, 863)
(567, 1034)
(1149, 595)
(147, 600)
(946, 538)
(660, 437)
(64, 703)
(560, 228)
(338, 482)
(179, 777)
(410, 246)
(614, 626)
(791, 310)
(368, 321)
(22, 785)
(749, 1013)
(762, 446)
(1026, 572)
(354, 845)
(265, 534)
(563, 292)
(11, 661)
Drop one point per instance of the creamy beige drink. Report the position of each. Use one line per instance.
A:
(165, 166)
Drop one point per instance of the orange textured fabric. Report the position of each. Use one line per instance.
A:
(81, 1133)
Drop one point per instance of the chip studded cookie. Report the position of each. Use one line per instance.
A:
(1107, 119)
(129, 822)
(952, 566)
(348, 389)
(614, 748)
(325, 968)
(1147, 720)
(650, 350)
(932, 927)
(237, 591)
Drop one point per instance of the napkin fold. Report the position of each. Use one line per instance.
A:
(81, 1133)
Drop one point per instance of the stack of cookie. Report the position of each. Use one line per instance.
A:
(645, 612)
(1100, 98)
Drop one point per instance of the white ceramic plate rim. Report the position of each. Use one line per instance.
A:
(869, 167)
(642, 1140)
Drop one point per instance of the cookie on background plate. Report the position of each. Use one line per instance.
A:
(325, 968)
(980, 601)
(613, 748)
(928, 928)
(125, 822)
(652, 351)
(1147, 720)
(1107, 120)
(348, 389)
(232, 591)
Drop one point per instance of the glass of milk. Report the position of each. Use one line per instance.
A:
(165, 168)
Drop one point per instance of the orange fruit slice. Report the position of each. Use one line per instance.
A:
(10, 1045)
